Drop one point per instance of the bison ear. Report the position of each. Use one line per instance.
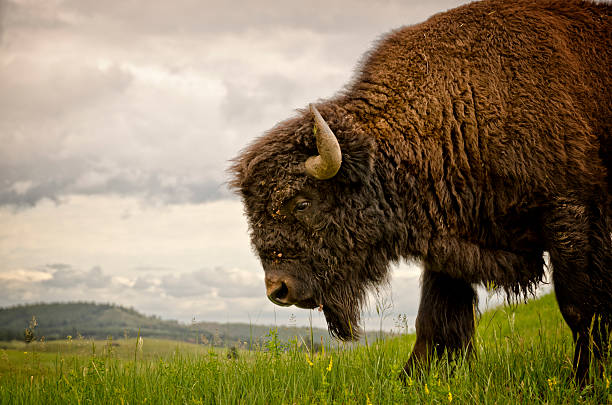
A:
(358, 151)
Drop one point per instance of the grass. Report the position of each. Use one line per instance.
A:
(523, 355)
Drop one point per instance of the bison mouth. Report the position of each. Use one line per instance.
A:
(339, 300)
(309, 303)
(342, 321)
(305, 304)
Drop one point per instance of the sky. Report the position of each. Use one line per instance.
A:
(117, 123)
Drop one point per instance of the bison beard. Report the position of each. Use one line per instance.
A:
(475, 142)
(342, 313)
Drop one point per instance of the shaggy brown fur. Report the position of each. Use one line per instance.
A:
(475, 141)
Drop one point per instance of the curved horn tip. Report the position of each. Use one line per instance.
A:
(327, 163)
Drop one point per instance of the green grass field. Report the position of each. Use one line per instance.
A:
(523, 355)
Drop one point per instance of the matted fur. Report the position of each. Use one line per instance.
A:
(474, 141)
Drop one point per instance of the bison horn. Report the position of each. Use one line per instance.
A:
(325, 165)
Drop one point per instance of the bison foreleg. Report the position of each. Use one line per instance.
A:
(445, 322)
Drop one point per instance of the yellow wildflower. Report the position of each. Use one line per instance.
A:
(368, 402)
(426, 389)
(450, 397)
(551, 383)
(330, 364)
(308, 361)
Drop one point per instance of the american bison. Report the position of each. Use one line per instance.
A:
(474, 141)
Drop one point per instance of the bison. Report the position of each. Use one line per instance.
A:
(475, 142)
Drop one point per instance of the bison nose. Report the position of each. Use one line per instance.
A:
(277, 291)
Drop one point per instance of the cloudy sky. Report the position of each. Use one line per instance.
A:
(117, 121)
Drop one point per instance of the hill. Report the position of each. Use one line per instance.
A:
(98, 321)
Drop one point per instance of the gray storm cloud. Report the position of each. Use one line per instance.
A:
(152, 101)
(67, 277)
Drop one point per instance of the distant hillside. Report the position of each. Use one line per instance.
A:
(59, 320)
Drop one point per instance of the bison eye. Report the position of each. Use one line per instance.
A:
(301, 206)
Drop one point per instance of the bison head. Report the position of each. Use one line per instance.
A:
(317, 214)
